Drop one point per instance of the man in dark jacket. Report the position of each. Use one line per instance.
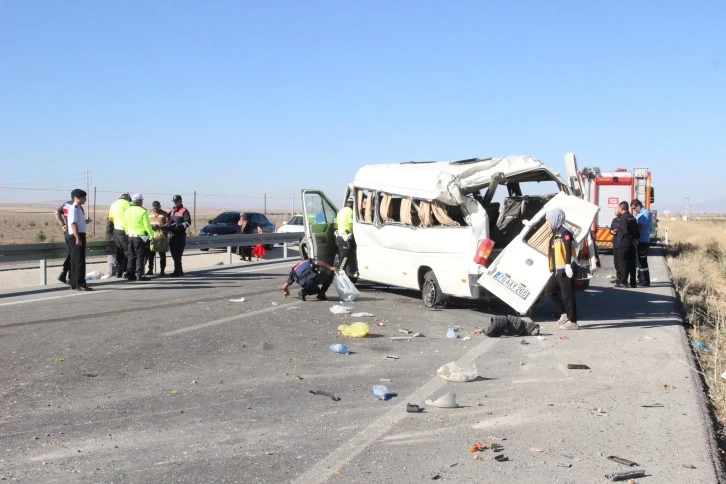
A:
(626, 242)
(313, 276)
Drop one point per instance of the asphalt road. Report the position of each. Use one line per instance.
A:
(170, 381)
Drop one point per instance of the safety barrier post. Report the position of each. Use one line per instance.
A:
(43, 272)
(284, 250)
(229, 255)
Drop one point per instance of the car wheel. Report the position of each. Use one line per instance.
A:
(431, 291)
(204, 250)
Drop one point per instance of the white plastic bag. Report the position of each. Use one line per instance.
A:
(338, 309)
(453, 372)
(345, 287)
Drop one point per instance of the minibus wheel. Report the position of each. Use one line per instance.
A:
(431, 291)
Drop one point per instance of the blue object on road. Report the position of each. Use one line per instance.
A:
(382, 393)
(339, 348)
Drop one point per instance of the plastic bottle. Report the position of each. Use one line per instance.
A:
(93, 275)
(381, 392)
(339, 348)
(452, 333)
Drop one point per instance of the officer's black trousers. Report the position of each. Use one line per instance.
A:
(320, 284)
(162, 261)
(643, 270)
(77, 273)
(122, 247)
(560, 290)
(67, 263)
(177, 242)
(626, 265)
(347, 255)
(136, 256)
(618, 275)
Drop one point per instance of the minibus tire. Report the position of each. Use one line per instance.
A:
(431, 291)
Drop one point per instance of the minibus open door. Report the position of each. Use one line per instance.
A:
(319, 218)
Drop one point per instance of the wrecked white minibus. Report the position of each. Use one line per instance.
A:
(470, 229)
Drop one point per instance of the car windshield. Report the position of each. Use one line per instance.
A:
(226, 218)
(298, 220)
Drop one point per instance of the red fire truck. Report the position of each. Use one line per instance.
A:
(607, 189)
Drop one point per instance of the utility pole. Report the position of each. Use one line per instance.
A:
(265, 212)
(688, 208)
(87, 179)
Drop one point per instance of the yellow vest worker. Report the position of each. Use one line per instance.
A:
(347, 256)
(137, 222)
(344, 220)
(139, 231)
(116, 213)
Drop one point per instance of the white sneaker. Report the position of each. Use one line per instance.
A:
(105, 276)
(562, 319)
(567, 324)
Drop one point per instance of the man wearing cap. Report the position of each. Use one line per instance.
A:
(344, 239)
(179, 221)
(116, 215)
(138, 231)
(77, 242)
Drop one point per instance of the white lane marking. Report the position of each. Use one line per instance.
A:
(74, 293)
(227, 320)
(325, 469)
(97, 291)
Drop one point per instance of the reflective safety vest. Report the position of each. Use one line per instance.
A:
(562, 249)
(344, 220)
(116, 213)
(137, 222)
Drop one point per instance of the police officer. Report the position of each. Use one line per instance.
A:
(560, 289)
(313, 276)
(77, 232)
(116, 215)
(139, 231)
(61, 216)
(614, 231)
(645, 220)
(626, 241)
(179, 221)
(344, 239)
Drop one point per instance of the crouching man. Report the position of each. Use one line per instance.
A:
(313, 276)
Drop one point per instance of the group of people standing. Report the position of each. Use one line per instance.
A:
(138, 235)
(631, 242)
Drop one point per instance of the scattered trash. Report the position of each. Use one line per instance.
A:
(417, 335)
(453, 372)
(436, 477)
(575, 366)
(477, 447)
(620, 460)
(723, 375)
(477, 331)
(609, 276)
(445, 401)
(653, 405)
(621, 476)
(689, 466)
(501, 325)
(478, 404)
(275, 303)
(292, 308)
(479, 457)
(385, 380)
(175, 392)
(541, 338)
(405, 331)
(524, 342)
(240, 299)
(535, 449)
(452, 333)
(380, 324)
(390, 357)
(364, 315)
(333, 396)
(668, 386)
(346, 289)
(413, 408)
(382, 393)
(599, 412)
(297, 377)
(701, 346)
(338, 309)
(354, 330)
(501, 458)
(401, 337)
(435, 309)
(339, 348)
(522, 363)
(564, 464)
(58, 360)
(466, 338)
(93, 275)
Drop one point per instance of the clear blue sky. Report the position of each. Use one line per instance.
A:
(234, 99)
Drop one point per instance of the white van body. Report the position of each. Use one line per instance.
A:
(445, 209)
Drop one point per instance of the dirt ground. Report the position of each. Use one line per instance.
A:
(35, 223)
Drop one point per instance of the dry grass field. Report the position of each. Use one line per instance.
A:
(28, 223)
(696, 257)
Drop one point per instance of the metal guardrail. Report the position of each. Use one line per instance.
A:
(59, 250)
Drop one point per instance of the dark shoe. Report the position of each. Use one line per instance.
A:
(62, 278)
(84, 288)
(131, 277)
(613, 281)
(120, 275)
(321, 297)
(633, 285)
(162, 273)
(175, 274)
(645, 284)
(143, 278)
(620, 284)
(301, 294)
(150, 272)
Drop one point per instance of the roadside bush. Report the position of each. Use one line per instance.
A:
(40, 236)
(712, 249)
(680, 248)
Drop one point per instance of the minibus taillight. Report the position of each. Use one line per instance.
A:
(483, 251)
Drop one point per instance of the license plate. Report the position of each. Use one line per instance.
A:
(513, 286)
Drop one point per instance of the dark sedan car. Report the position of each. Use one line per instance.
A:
(226, 223)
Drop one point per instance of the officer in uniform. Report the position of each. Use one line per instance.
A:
(179, 221)
(77, 246)
(645, 220)
(116, 215)
(347, 259)
(626, 241)
(614, 231)
(313, 276)
(138, 231)
(560, 289)
(61, 216)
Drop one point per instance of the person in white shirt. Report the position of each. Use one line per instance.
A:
(77, 242)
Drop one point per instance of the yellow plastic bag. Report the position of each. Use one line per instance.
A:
(354, 330)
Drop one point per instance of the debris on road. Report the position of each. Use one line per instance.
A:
(668, 386)
(405, 331)
(541, 338)
(501, 325)
(401, 337)
(620, 460)
(382, 393)
(363, 315)
(445, 401)
(564, 464)
(452, 333)
(239, 299)
(477, 447)
(453, 372)
(390, 357)
(297, 377)
(413, 408)
(385, 380)
(501, 458)
(58, 360)
(355, 330)
(653, 405)
(577, 366)
(333, 396)
(339, 348)
(535, 449)
(338, 309)
(621, 476)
